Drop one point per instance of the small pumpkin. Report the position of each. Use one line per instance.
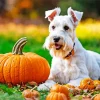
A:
(96, 82)
(97, 97)
(60, 89)
(18, 67)
(87, 83)
(56, 96)
(31, 94)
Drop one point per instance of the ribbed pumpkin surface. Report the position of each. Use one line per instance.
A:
(97, 97)
(18, 68)
(56, 96)
(60, 89)
(87, 83)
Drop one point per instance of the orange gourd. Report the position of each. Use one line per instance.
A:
(97, 97)
(96, 82)
(31, 94)
(60, 89)
(56, 96)
(18, 67)
(87, 83)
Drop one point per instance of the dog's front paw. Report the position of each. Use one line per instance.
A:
(43, 87)
(46, 86)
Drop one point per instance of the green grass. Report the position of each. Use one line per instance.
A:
(15, 93)
(33, 45)
(10, 93)
(91, 44)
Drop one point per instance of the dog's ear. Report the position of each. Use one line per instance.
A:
(75, 15)
(50, 14)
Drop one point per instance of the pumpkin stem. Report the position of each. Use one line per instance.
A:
(17, 48)
(88, 83)
(34, 88)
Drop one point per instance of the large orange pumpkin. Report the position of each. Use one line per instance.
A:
(56, 96)
(18, 67)
(60, 89)
(87, 83)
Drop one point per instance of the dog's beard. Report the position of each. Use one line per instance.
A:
(61, 50)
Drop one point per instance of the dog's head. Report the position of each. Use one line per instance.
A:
(62, 31)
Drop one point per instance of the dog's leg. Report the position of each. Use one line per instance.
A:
(55, 76)
(80, 74)
(48, 83)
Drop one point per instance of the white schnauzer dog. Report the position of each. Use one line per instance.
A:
(71, 62)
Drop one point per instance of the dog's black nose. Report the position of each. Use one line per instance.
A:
(56, 39)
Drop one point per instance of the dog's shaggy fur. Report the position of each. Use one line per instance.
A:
(60, 42)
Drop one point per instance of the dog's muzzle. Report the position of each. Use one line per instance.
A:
(56, 42)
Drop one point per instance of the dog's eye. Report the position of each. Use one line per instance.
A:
(66, 27)
(53, 27)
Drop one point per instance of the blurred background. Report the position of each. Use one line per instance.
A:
(19, 18)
